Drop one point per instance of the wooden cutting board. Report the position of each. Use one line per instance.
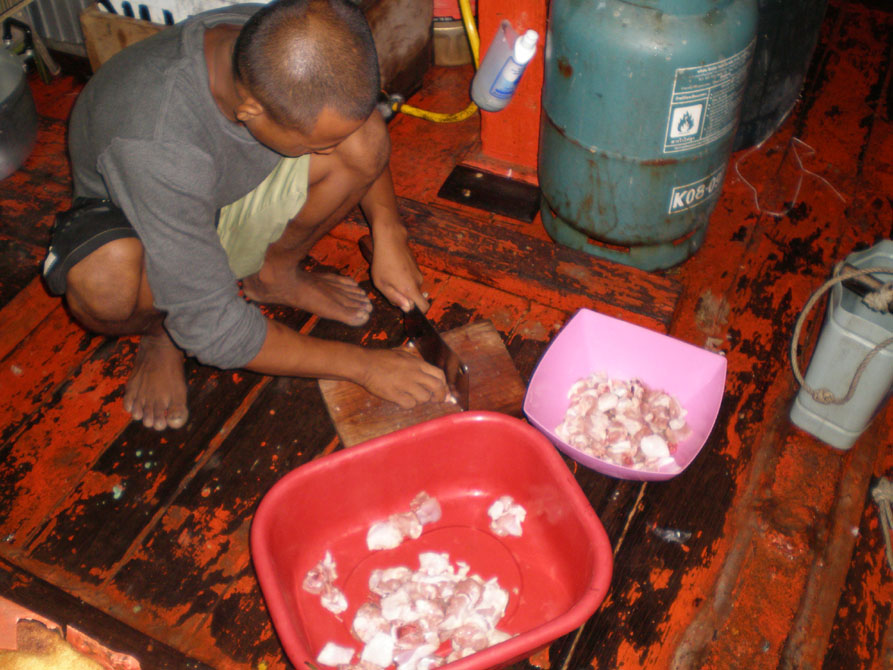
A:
(494, 384)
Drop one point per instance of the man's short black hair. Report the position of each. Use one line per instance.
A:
(299, 56)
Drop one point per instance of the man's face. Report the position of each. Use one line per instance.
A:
(330, 130)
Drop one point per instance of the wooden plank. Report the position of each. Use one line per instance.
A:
(106, 34)
(19, 264)
(861, 634)
(22, 314)
(49, 456)
(31, 196)
(191, 577)
(122, 456)
(35, 370)
(149, 466)
(423, 153)
(544, 272)
(812, 625)
(107, 509)
(528, 338)
(494, 385)
(134, 477)
(12, 7)
(55, 102)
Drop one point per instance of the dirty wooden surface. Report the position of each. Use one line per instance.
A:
(765, 553)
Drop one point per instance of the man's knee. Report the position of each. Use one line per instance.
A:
(105, 286)
(368, 150)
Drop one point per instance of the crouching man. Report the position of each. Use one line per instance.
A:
(219, 150)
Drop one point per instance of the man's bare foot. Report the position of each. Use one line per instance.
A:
(331, 296)
(156, 391)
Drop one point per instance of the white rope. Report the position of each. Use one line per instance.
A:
(881, 299)
(883, 496)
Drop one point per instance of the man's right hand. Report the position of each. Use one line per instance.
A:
(393, 374)
(403, 378)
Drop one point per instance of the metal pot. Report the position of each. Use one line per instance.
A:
(18, 115)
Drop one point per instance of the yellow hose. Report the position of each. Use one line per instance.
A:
(437, 117)
(474, 42)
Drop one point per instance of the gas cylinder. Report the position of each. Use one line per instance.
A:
(641, 102)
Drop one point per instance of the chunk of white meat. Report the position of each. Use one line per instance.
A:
(368, 622)
(320, 580)
(654, 447)
(379, 650)
(398, 607)
(320, 575)
(494, 600)
(434, 563)
(334, 600)
(426, 508)
(335, 655)
(399, 526)
(384, 535)
(506, 517)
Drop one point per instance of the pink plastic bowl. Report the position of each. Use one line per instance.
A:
(557, 572)
(590, 342)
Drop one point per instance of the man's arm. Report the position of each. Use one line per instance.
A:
(394, 271)
(392, 374)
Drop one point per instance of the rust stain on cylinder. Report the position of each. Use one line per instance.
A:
(565, 68)
(660, 162)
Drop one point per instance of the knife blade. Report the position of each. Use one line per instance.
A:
(431, 345)
(436, 351)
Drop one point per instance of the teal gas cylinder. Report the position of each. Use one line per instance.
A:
(641, 102)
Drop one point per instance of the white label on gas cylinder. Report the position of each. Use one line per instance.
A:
(697, 192)
(705, 100)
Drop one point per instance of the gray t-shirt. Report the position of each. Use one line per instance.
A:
(146, 133)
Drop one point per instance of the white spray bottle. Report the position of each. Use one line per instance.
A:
(498, 76)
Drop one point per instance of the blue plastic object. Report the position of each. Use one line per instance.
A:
(640, 106)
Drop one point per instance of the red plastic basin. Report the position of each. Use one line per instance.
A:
(557, 572)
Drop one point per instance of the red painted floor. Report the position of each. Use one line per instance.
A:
(141, 539)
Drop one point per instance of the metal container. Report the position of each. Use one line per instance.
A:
(851, 330)
(640, 107)
(18, 115)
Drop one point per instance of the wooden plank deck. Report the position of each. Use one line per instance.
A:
(765, 553)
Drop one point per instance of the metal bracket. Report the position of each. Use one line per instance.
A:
(492, 193)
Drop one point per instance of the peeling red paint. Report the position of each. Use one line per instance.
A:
(726, 597)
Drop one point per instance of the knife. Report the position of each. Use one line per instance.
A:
(431, 345)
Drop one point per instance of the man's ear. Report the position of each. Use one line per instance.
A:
(249, 108)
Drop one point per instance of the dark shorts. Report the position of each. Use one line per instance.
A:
(77, 233)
